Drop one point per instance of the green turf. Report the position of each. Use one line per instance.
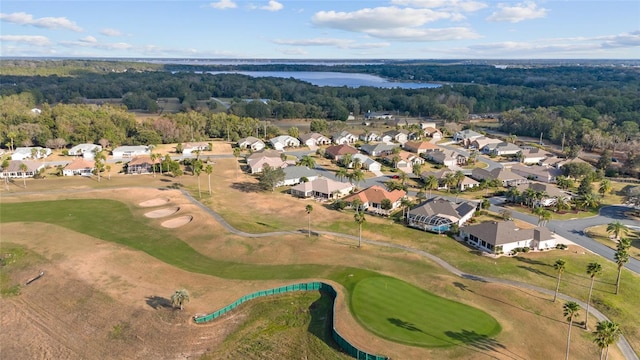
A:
(111, 220)
(400, 312)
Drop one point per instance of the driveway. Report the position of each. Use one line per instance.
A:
(490, 163)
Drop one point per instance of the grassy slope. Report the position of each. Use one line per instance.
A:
(91, 216)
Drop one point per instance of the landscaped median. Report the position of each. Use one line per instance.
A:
(388, 307)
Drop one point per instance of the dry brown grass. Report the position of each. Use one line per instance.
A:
(113, 282)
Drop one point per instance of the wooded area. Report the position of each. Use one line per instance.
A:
(596, 107)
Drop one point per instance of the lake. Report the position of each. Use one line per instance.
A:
(338, 79)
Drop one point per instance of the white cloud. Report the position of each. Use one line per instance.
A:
(52, 23)
(517, 13)
(453, 5)
(379, 18)
(36, 40)
(223, 4)
(293, 51)
(272, 6)
(425, 35)
(338, 43)
(92, 42)
(110, 32)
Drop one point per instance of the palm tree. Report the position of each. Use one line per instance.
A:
(543, 215)
(559, 265)
(359, 218)
(564, 182)
(607, 332)
(197, 170)
(589, 201)
(309, 209)
(529, 196)
(561, 204)
(405, 203)
(449, 180)
(593, 269)
(417, 168)
(356, 164)
(23, 168)
(431, 182)
(513, 194)
(357, 176)
(154, 157)
(621, 257)
(459, 176)
(617, 228)
(342, 174)
(179, 298)
(605, 187)
(108, 167)
(236, 154)
(209, 170)
(99, 157)
(570, 311)
(346, 160)
(307, 161)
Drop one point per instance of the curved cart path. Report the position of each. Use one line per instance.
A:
(622, 343)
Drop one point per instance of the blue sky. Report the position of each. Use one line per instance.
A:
(309, 29)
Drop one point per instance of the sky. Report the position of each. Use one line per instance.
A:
(311, 29)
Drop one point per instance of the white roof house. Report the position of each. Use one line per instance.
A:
(87, 151)
(126, 152)
(22, 153)
(79, 166)
(499, 237)
(252, 143)
(283, 141)
(314, 139)
(190, 148)
(13, 169)
(344, 137)
(367, 162)
(295, 175)
(322, 188)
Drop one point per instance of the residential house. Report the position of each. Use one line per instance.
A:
(404, 159)
(448, 158)
(369, 137)
(533, 155)
(141, 165)
(378, 115)
(252, 143)
(296, 174)
(465, 184)
(424, 125)
(505, 175)
(380, 149)
(558, 163)
(190, 148)
(420, 147)
(433, 133)
(465, 137)
(314, 139)
(438, 214)
(37, 152)
(373, 197)
(87, 151)
(336, 152)
(546, 174)
(400, 136)
(322, 188)
(284, 141)
(550, 193)
(14, 171)
(344, 137)
(483, 141)
(366, 162)
(80, 166)
(258, 160)
(498, 237)
(501, 149)
(128, 152)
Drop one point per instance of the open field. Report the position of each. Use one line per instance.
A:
(270, 211)
(600, 234)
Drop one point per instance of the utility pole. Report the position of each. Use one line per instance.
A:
(563, 142)
(540, 138)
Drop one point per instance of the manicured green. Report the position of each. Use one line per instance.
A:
(111, 220)
(418, 317)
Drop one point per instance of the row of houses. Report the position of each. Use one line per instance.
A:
(315, 139)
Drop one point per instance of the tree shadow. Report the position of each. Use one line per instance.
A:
(404, 324)
(461, 286)
(535, 271)
(530, 261)
(246, 187)
(481, 342)
(158, 302)
(474, 278)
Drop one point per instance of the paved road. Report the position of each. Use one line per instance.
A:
(622, 343)
(573, 230)
(490, 163)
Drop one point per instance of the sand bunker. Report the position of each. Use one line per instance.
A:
(161, 212)
(154, 202)
(177, 222)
